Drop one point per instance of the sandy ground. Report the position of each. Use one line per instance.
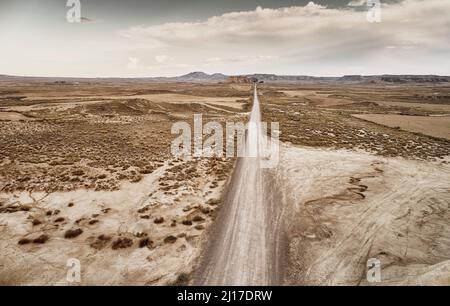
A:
(65, 104)
(245, 242)
(298, 93)
(315, 219)
(128, 213)
(436, 126)
(163, 97)
(92, 178)
(321, 214)
(315, 98)
(13, 116)
(342, 208)
(424, 106)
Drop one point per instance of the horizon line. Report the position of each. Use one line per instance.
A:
(210, 74)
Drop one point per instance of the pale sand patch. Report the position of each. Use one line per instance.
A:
(422, 106)
(166, 97)
(317, 98)
(344, 207)
(55, 106)
(436, 126)
(299, 93)
(13, 116)
(66, 102)
(180, 98)
(37, 264)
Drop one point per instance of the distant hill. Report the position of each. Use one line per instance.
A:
(350, 79)
(306, 79)
(199, 76)
(414, 78)
(202, 77)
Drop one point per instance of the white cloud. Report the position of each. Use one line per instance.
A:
(241, 59)
(357, 3)
(312, 31)
(413, 37)
(161, 58)
(133, 63)
(309, 24)
(213, 60)
(234, 27)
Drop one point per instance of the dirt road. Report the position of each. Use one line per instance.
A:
(244, 245)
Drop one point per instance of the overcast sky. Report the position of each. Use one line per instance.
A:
(126, 38)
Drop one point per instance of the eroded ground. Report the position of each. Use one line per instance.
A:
(323, 116)
(86, 172)
(356, 190)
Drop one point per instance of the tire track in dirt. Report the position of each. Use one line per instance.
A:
(245, 243)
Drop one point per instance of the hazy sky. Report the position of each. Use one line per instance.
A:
(128, 38)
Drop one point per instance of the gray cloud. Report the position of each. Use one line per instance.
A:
(330, 38)
(308, 33)
(413, 19)
(87, 20)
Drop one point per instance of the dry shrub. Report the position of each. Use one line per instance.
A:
(72, 233)
(122, 243)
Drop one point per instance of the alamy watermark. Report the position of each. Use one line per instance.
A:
(373, 270)
(374, 13)
(74, 272)
(74, 12)
(251, 139)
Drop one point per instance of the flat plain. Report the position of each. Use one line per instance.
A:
(86, 172)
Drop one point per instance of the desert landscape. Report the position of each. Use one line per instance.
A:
(224, 151)
(363, 188)
(86, 172)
